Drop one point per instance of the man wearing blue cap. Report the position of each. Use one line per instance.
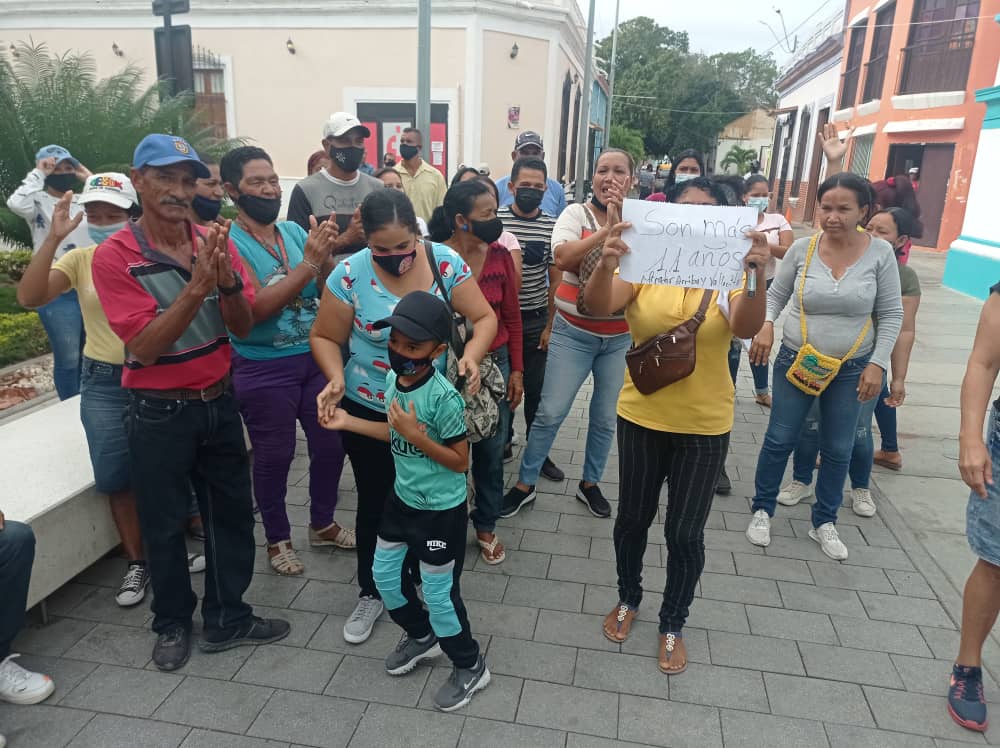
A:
(170, 290)
(56, 172)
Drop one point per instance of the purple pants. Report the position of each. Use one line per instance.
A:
(273, 394)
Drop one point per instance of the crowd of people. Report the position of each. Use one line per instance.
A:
(400, 322)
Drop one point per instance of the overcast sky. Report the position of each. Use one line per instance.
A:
(719, 25)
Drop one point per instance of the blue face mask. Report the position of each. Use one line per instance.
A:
(679, 178)
(99, 233)
(760, 203)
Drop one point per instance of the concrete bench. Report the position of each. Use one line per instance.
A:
(48, 483)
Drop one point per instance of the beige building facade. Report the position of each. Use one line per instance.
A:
(498, 67)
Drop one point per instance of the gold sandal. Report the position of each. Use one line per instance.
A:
(284, 560)
(341, 538)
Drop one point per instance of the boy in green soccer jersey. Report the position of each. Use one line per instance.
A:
(427, 515)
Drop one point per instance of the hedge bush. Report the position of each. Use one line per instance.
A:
(14, 263)
(21, 337)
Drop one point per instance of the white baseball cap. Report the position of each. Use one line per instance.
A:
(109, 187)
(340, 123)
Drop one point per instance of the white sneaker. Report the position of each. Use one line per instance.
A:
(863, 504)
(759, 531)
(196, 563)
(793, 493)
(20, 686)
(829, 541)
(133, 587)
(359, 626)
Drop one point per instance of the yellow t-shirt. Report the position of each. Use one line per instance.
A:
(701, 403)
(101, 344)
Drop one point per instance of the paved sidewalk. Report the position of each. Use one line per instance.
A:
(787, 647)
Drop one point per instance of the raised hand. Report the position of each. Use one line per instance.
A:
(46, 165)
(205, 266)
(62, 224)
(760, 251)
(829, 140)
(82, 172)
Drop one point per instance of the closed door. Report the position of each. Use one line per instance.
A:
(935, 173)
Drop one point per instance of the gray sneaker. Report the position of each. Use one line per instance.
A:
(409, 652)
(457, 691)
(359, 626)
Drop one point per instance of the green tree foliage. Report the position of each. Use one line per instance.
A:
(739, 158)
(628, 140)
(679, 99)
(49, 98)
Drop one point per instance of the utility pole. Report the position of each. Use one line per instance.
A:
(611, 76)
(582, 141)
(424, 71)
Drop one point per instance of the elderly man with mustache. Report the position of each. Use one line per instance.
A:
(170, 290)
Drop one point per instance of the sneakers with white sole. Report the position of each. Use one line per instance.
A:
(793, 493)
(20, 686)
(759, 530)
(862, 502)
(829, 541)
(133, 587)
(359, 626)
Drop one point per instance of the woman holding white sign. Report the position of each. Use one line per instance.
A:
(675, 413)
(837, 281)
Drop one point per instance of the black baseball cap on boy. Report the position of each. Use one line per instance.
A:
(420, 316)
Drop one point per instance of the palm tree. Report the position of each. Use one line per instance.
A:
(740, 158)
(48, 98)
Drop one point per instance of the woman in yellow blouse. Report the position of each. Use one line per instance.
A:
(679, 433)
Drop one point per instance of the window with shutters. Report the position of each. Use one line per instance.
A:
(210, 91)
(939, 52)
(861, 157)
(849, 80)
(875, 68)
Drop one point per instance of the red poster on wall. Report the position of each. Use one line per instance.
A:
(372, 156)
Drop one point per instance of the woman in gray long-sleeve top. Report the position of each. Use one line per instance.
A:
(850, 279)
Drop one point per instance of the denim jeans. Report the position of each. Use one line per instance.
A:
(17, 553)
(839, 408)
(487, 459)
(806, 451)
(103, 402)
(63, 323)
(573, 355)
(171, 442)
(759, 371)
(885, 416)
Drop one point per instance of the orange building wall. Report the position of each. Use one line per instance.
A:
(982, 74)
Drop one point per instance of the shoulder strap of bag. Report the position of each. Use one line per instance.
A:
(591, 223)
(456, 340)
(802, 283)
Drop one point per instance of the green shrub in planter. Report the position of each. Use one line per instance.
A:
(21, 337)
(14, 263)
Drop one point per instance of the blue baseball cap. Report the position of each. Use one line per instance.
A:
(164, 150)
(57, 152)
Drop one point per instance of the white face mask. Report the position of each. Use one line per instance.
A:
(760, 203)
(678, 178)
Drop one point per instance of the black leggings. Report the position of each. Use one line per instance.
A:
(690, 463)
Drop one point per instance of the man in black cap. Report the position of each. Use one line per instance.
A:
(529, 144)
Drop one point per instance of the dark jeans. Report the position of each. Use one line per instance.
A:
(171, 443)
(437, 540)
(17, 553)
(487, 459)
(690, 464)
(885, 417)
(759, 371)
(533, 324)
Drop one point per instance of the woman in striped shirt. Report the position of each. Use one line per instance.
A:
(581, 344)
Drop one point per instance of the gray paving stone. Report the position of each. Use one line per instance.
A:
(719, 686)
(749, 730)
(67, 597)
(535, 660)
(786, 569)
(576, 740)
(882, 558)
(385, 634)
(365, 678)
(603, 549)
(66, 674)
(850, 577)
(514, 621)
(740, 589)
(327, 597)
(338, 566)
(906, 610)
(803, 549)
(846, 736)
(100, 606)
(520, 564)
(824, 700)
(587, 570)
(560, 543)
(115, 645)
(304, 623)
(487, 588)
(880, 537)
(620, 673)
(289, 668)
(730, 540)
(755, 653)
(942, 642)
(218, 665)
(41, 725)
(117, 690)
(665, 723)
(498, 701)
(645, 641)
(395, 727)
(719, 562)
(595, 527)
(479, 731)
(572, 630)
(53, 639)
(925, 675)
(791, 624)
(718, 615)
(201, 702)
(821, 599)
(112, 731)
(543, 593)
(310, 719)
(534, 519)
(273, 590)
(211, 739)
(880, 636)
(569, 708)
(915, 713)
(910, 583)
(850, 665)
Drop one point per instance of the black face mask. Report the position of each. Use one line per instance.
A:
(206, 209)
(261, 209)
(405, 366)
(348, 159)
(487, 231)
(61, 182)
(408, 151)
(395, 264)
(597, 203)
(389, 162)
(528, 198)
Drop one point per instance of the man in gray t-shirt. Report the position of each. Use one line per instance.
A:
(339, 189)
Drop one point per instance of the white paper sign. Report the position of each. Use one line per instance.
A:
(697, 246)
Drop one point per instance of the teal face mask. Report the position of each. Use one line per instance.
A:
(678, 178)
(99, 233)
(760, 203)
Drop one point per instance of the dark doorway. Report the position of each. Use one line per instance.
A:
(563, 127)
(934, 161)
(817, 160)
